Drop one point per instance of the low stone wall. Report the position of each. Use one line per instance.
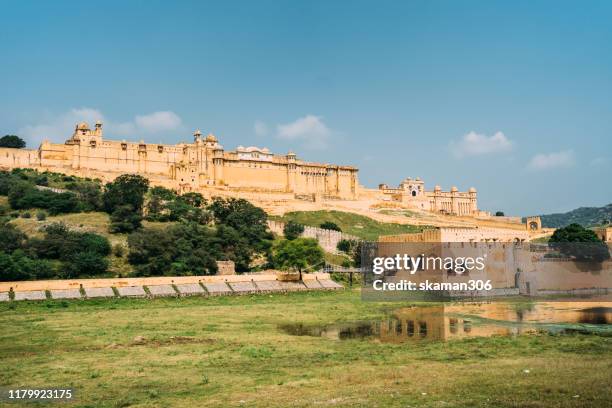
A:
(161, 286)
(327, 239)
(158, 280)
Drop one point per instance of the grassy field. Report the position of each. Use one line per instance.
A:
(228, 351)
(354, 224)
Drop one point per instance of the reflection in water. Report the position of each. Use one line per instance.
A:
(460, 321)
(596, 315)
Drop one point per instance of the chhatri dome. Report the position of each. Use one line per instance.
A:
(211, 138)
(82, 126)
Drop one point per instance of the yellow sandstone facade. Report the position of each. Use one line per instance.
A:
(187, 166)
(412, 193)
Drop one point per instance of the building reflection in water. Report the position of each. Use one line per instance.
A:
(431, 323)
(441, 323)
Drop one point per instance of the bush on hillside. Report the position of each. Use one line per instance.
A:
(330, 226)
(292, 230)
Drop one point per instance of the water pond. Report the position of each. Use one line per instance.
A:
(456, 321)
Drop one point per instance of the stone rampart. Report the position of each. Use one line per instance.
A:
(327, 239)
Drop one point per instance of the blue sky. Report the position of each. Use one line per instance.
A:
(513, 98)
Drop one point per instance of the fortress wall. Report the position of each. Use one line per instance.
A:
(251, 174)
(308, 183)
(327, 239)
(570, 275)
(111, 156)
(459, 234)
(347, 184)
(191, 166)
(450, 234)
(12, 158)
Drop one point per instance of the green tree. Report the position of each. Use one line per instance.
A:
(193, 199)
(17, 193)
(127, 189)
(89, 194)
(292, 230)
(580, 243)
(346, 245)
(123, 199)
(163, 193)
(24, 195)
(235, 247)
(11, 238)
(125, 219)
(499, 213)
(244, 217)
(182, 249)
(10, 270)
(330, 226)
(300, 254)
(17, 266)
(6, 180)
(12, 141)
(60, 203)
(85, 263)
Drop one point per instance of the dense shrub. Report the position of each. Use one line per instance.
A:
(17, 266)
(580, 243)
(164, 205)
(182, 249)
(84, 264)
(292, 230)
(125, 219)
(24, 195)
(330, 226)
(346, 245)
(59, 242)
(11, 238)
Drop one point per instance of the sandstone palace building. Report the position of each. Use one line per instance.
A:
(189, 166)
(205, 166)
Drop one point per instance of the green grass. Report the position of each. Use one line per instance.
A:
(354, 224)
(228, 351)
(336, 259)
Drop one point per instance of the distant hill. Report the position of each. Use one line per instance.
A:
(586, 216)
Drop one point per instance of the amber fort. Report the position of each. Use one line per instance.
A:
(205, 166)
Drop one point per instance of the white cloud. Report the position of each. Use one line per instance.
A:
(546, 161)
(158, 121)
(59, 127)
(476, 144)
(599, 161)
(260, 128)
(309, 129)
